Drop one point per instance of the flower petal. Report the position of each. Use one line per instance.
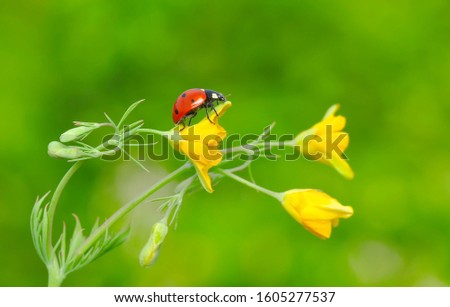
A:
(331, 111)
(326, 142)
(321, 229)
(337, 123)
(200, 143)
(341, 165)
(315, 210)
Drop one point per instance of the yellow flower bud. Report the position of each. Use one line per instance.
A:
(77, 133)
(315, 210)
(59, 150)
(150, 251)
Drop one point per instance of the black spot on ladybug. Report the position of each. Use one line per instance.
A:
(176, 111)
(192, 100)
(183, 95)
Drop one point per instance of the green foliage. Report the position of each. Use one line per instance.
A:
(62, 259)
(75, 260)
(39, 228)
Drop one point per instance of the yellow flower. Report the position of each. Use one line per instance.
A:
(200, 143)
(326, 142)
(315, 210)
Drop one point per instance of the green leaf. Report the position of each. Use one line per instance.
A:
(250, 173)
(103, 245)
(94, 228)
(163, 198)
(266, 132)
(114, 241)
(134, 126)
(77, 238)
(128, 112)
(62, 251)
(110, 120)
(137, 162)
(39, 228)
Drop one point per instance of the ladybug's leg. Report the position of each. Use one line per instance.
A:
(212, 107)
(184, 126)
(190, 119)
(207, 115)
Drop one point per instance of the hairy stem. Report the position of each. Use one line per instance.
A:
(92, 239)
(250, 184)
(153, 131)
(55, 276)
(262, 145)
(54, 202)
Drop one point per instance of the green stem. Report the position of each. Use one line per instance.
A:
(55, 276)
(260, 145)
(54, 202)
(56, 196)
(92, 239)
(184, 187)
(153, 131)
(250, 184)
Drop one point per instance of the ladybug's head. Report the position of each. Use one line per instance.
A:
(215, 96)
(222, 97)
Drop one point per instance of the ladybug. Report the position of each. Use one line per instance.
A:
(191, 101)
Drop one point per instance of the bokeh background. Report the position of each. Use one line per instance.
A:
(386, 62)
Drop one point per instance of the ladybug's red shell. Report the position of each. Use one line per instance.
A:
(187, 103)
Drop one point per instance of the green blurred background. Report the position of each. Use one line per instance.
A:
(386, 62)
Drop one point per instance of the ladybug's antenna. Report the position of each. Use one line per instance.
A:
(226, 96)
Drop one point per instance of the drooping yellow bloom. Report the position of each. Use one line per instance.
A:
(326, 142)
(200, 143)
(315, 210)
